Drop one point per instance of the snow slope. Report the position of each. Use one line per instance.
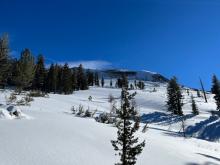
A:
(55, 137)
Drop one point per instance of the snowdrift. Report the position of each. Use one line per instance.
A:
(12, 112)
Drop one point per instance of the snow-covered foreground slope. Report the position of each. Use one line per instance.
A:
(55, 137)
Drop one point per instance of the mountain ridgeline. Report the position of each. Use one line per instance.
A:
(131, 75)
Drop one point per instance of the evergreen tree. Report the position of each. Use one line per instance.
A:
(175, 97)
(4, 59)
(52, 79)
(59, 78)
(97, 79)
(81, 79)
(140, 85)
(127, 144)
(74, 79)
(39, 78)
(67, 79)
(110, 83)
(135, 83)
(124, 81)
(195, 110)
(216, 91)
(119, 83)
(24, 71)
(215, 85)
(103, 82)
(187, 91)
(90, 77)
(198, 93)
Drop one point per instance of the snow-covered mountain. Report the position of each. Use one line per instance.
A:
(132, 75)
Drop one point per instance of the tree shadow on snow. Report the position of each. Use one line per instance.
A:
(211, 157)
(208, 129)
(206, 163)
(162, 118)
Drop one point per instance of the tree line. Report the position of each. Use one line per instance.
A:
(28, 73)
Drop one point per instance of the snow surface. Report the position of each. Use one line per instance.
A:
(53, 136)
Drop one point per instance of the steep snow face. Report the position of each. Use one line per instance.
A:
(54, 136)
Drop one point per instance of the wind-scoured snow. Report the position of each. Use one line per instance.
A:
(54, 136)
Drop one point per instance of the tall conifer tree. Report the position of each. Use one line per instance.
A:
(39, 78)
(216, 91)
(25, 68)
(127, 144)
(174, 96)
(4, 59)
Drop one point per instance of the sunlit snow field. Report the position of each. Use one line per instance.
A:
(51, 135)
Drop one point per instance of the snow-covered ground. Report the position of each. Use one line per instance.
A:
(51, 135)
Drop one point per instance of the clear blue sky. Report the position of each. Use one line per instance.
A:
(176, 37)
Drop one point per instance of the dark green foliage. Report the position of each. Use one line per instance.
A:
(82, 83)
(111, 83)
(127, 144)
(51, 81)
(174, 96)
(24, 70)
(187, 91)
(131, 86)
(4, 59)
(40, 73)
(90, 77)
(67, 79)
(195, 110)
(135, 83)
(215, 85)
(103, 82)
(119, 83)
(23, 73)
(198, 93)
(74, 80)
(122, 82)
(97, 79)
(216, 91)
(140, 85)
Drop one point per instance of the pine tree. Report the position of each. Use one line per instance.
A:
(141, 85)
(215, 85)
(97, 79)
(52, 79)
(198, 93)
(135, 84)
(67, 80)
(127, 144)
(216, 91)
(4, 59)
(103, 82)
(74, 79)
(81, 78)
(90, 77)
(119, 83)
(195, 110)
(187, 91)
(39, 78)
(174, 96)
(124, 81)
(59, 79)
(24, 75)
(110, 83)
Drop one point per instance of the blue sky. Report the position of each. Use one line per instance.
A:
(172, 37)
